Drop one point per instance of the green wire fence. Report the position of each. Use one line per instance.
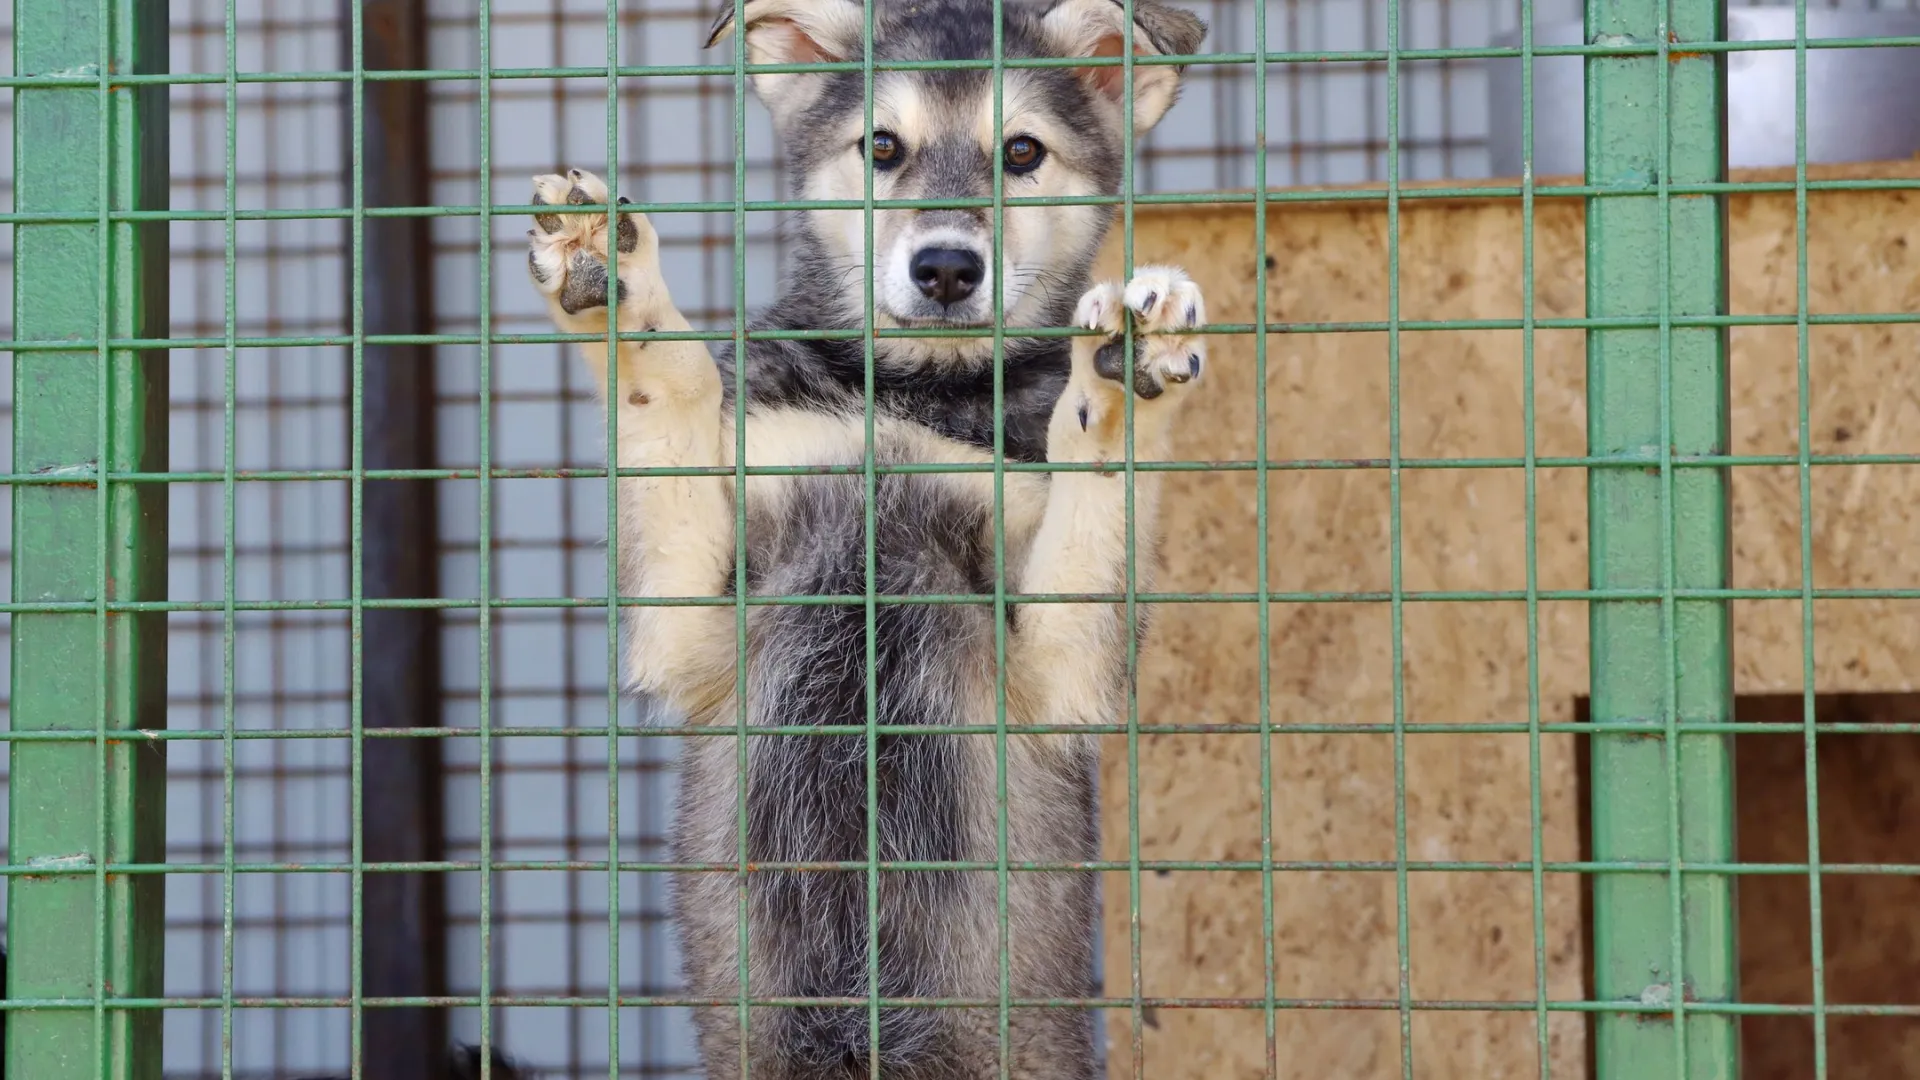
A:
(96, 743)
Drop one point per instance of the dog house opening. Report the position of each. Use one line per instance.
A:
(1868, 791)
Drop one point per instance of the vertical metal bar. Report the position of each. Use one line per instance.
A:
(1001, 803)
(484, 586)
(78, 805)
(1537, 829)
(229, 536)
(1397, 604)
(1137, 1013)
(1660, 940)
(403, 939)
(1262, 511)
(612, 55)
(740, 477)
(356, 558)
(1816, 929)
(870, 488)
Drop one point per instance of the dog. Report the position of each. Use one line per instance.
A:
(937, 931)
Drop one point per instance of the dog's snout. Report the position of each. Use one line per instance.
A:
(948, 275)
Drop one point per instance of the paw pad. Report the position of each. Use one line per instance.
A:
(567, 256)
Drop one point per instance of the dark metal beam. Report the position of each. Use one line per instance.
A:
(403, 944)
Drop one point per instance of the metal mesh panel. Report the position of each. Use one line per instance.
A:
(291, 797)
(550, 798)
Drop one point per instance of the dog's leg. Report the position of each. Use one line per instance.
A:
(1065, 660)
(675, 532)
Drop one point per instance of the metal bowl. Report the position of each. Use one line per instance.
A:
(1862, 104)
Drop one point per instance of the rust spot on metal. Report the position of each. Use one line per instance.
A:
(82, 475)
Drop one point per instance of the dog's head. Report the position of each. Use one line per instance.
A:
(1062, 133)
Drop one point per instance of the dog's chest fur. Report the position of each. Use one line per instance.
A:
(955, 402)
(932, 664)
(933, 531)
(932, 535)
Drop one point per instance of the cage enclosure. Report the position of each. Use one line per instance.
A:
(1531, 685)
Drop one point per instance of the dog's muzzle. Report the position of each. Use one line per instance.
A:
(945, 275)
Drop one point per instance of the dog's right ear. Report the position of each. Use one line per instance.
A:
(793, 32)
(1097, 28)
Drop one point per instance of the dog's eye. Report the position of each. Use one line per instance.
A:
(1024, 154)
(887, 151)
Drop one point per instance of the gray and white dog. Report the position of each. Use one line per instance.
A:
(937, 933)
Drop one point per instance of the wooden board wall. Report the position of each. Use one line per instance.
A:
(1467, 795)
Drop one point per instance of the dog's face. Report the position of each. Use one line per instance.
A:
(934, 137)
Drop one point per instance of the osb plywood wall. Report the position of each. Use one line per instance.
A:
(1467, 795)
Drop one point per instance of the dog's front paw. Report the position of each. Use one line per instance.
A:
(568, 256)
(1165, 306)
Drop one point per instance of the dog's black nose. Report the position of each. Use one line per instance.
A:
(948, 275)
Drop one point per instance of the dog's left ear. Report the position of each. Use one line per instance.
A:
(793, 32)
(1099, 28)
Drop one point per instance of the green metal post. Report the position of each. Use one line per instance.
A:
(76, 932)
(1661, 941)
